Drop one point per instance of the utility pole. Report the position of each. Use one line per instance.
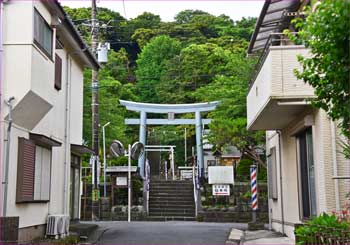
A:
(95, 116)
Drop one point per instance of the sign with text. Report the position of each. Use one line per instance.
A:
(122, 181)
(221, 190)
(220, 175)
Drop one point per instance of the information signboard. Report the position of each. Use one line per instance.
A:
(221, 190)
(220, 175)
(121, 181)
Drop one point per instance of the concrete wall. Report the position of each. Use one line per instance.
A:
(26, 69)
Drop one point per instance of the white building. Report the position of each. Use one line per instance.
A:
(42, 63)
(301, 141)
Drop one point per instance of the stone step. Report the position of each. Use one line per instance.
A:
(164, 218)
(172, 206)
(167, 194)
(171, 198)
(171, 184)
(176, 210)
(160, 185)
(170, 181)
(170, 191)
(172, 214)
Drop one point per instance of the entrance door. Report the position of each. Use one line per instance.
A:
(74, 187)
(307, 174)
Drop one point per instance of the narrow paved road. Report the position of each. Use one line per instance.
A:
(166, 232)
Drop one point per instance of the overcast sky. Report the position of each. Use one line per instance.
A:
(167, 9)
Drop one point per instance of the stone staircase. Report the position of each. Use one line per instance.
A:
(171, 200)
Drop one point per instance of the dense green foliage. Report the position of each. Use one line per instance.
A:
(197, 58)
(326, 31)
(325, 227)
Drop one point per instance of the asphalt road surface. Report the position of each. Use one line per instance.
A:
(172, 232)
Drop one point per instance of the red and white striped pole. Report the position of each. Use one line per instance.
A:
(254, 190)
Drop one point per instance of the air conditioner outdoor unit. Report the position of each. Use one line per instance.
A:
(57, 225)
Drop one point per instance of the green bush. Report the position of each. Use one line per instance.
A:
(243, 170)
(324, 225)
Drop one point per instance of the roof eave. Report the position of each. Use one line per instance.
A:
(258, 25)
(55, 6)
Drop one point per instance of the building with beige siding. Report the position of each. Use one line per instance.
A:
(302, 143)
(42, 62)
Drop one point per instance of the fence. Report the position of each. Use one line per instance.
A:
(318, 234)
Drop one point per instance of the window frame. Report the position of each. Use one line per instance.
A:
(41, 181)
(305, 154)
(37, 42)
(20, 172)
(58, 76)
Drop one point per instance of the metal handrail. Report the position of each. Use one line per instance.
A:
(270, 42)
(195, 193)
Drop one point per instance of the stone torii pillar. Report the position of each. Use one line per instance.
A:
(173, 109)
(199, 142)
(142, 139)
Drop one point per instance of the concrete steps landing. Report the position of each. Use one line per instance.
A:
(171, 200)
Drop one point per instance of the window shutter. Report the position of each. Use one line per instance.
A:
(58, 72)
(25, 170)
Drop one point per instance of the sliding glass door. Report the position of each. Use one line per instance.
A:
(307, 174)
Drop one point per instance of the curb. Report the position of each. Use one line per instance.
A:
(235, 237)
(95, 236)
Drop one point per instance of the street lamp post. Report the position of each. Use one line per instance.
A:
(104, 159)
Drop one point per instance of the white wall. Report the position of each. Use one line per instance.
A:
(325, 191)
(276, 80)
(26, 69)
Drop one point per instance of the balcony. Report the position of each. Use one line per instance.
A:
(276, 97)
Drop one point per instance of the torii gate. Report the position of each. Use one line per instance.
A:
(171, 110)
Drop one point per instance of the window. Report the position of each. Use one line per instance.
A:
(211, 163)
(58, 72)
(33, 172)
(42, 34)
(74, 187)
(306, 174)
(272, 171)
(42, 174)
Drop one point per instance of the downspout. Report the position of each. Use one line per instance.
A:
(335, 169)
(66, 133)
(268, 193)
(67, 125)
(1, 52)
(281, 178)
(7, 160)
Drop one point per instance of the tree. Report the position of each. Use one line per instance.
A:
(186, 16)
(326, 33)
(112, 87)
(151, 65)
(229, 125)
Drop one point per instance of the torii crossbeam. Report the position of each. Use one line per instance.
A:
(173, 109)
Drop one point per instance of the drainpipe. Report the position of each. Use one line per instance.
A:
(7, 160)
(335, 169)
(268, 196)
(1, 52)
(281, 178)
(66, 133)
(67, 125)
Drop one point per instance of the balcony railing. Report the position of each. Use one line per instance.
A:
(275, 39)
